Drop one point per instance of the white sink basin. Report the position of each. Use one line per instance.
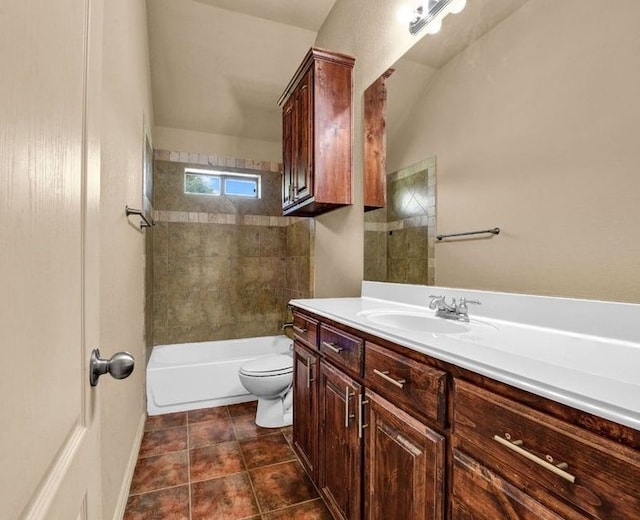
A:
(414, 320)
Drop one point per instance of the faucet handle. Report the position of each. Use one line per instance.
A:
(435, 300)
(464, 301)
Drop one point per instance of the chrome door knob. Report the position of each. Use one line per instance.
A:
(120, 365)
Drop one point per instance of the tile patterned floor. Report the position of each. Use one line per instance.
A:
(216, 464)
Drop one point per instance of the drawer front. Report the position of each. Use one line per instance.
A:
(480, 494)
(342, 348)
(305, 329)
(411, 385)
(547, 456)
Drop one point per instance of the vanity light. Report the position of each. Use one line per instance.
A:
(430, 14)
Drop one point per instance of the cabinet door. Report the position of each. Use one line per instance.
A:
(303, 156)
(480, 494)
(404, 465)
(305, 407)
(288, 147)
(340, 445)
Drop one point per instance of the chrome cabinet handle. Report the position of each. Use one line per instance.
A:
(309, 379)
(299, 330)
(331, 346)
(120, 366)
(361, 405)
(385, 375)
(347, 416)
(558, 469)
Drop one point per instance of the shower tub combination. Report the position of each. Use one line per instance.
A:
(189, 376)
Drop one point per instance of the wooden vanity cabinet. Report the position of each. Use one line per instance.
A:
(316, 135)
(400, 435)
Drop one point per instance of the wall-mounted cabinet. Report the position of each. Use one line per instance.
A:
(316, 135)
(375, 143)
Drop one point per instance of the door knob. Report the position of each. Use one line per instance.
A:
(120, 365)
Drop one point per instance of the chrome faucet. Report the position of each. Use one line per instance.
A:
(452, 311)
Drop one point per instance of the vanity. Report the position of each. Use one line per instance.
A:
(530, 410)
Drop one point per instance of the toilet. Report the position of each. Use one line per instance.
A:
(270, 379)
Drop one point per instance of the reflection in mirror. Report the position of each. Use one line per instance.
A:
(531, 110)
(398, 239)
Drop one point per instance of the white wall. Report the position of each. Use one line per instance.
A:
(126, 107)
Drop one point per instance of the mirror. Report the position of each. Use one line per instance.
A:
(399, 238)
(528, 110)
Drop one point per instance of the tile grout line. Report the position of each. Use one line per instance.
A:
(246, 466)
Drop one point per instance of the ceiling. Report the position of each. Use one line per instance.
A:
(219, 66)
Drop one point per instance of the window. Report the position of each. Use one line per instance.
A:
(212, 182)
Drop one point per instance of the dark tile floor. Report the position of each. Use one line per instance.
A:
(216, 464)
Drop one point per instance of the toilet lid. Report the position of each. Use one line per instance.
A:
(268, 365)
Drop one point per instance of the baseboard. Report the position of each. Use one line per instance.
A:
(128, 474)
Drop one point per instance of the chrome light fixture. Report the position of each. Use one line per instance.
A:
(430, 14)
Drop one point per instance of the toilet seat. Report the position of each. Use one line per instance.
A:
(268, 366)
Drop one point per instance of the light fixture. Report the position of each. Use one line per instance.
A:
(430, 14)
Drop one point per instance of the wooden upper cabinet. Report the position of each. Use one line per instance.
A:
(316, 135)
(375, 143)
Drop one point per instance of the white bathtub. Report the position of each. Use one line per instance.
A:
(189, 376)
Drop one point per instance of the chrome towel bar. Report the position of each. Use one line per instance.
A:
(493, 231)
(147, 222)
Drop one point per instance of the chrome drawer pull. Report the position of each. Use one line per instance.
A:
(385, 375)
(331, 346)
(299, 330)
(557, 469)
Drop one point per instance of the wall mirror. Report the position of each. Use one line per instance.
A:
(525, 112)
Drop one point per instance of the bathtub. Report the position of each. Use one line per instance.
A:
(189, 376)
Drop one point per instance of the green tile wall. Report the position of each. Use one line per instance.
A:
(224, 267)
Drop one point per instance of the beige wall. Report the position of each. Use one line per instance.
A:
(165, 138)
(535, 128)
(377, 40)
(554, 166)
(126, 107)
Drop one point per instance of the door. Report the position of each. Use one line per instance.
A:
(305, 407)
(340, 446)
(49, 201)
(404, 465)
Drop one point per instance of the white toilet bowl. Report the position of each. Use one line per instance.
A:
(270, 379)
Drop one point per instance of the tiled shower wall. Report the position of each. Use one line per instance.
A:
(399, 239)
(223, 267)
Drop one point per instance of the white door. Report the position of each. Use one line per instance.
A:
(49, 198)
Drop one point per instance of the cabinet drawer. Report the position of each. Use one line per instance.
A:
(411, 385)
(342, 348)
(305, 329)
(547, 456)
(480, 494)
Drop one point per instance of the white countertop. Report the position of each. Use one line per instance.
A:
(597, 371)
